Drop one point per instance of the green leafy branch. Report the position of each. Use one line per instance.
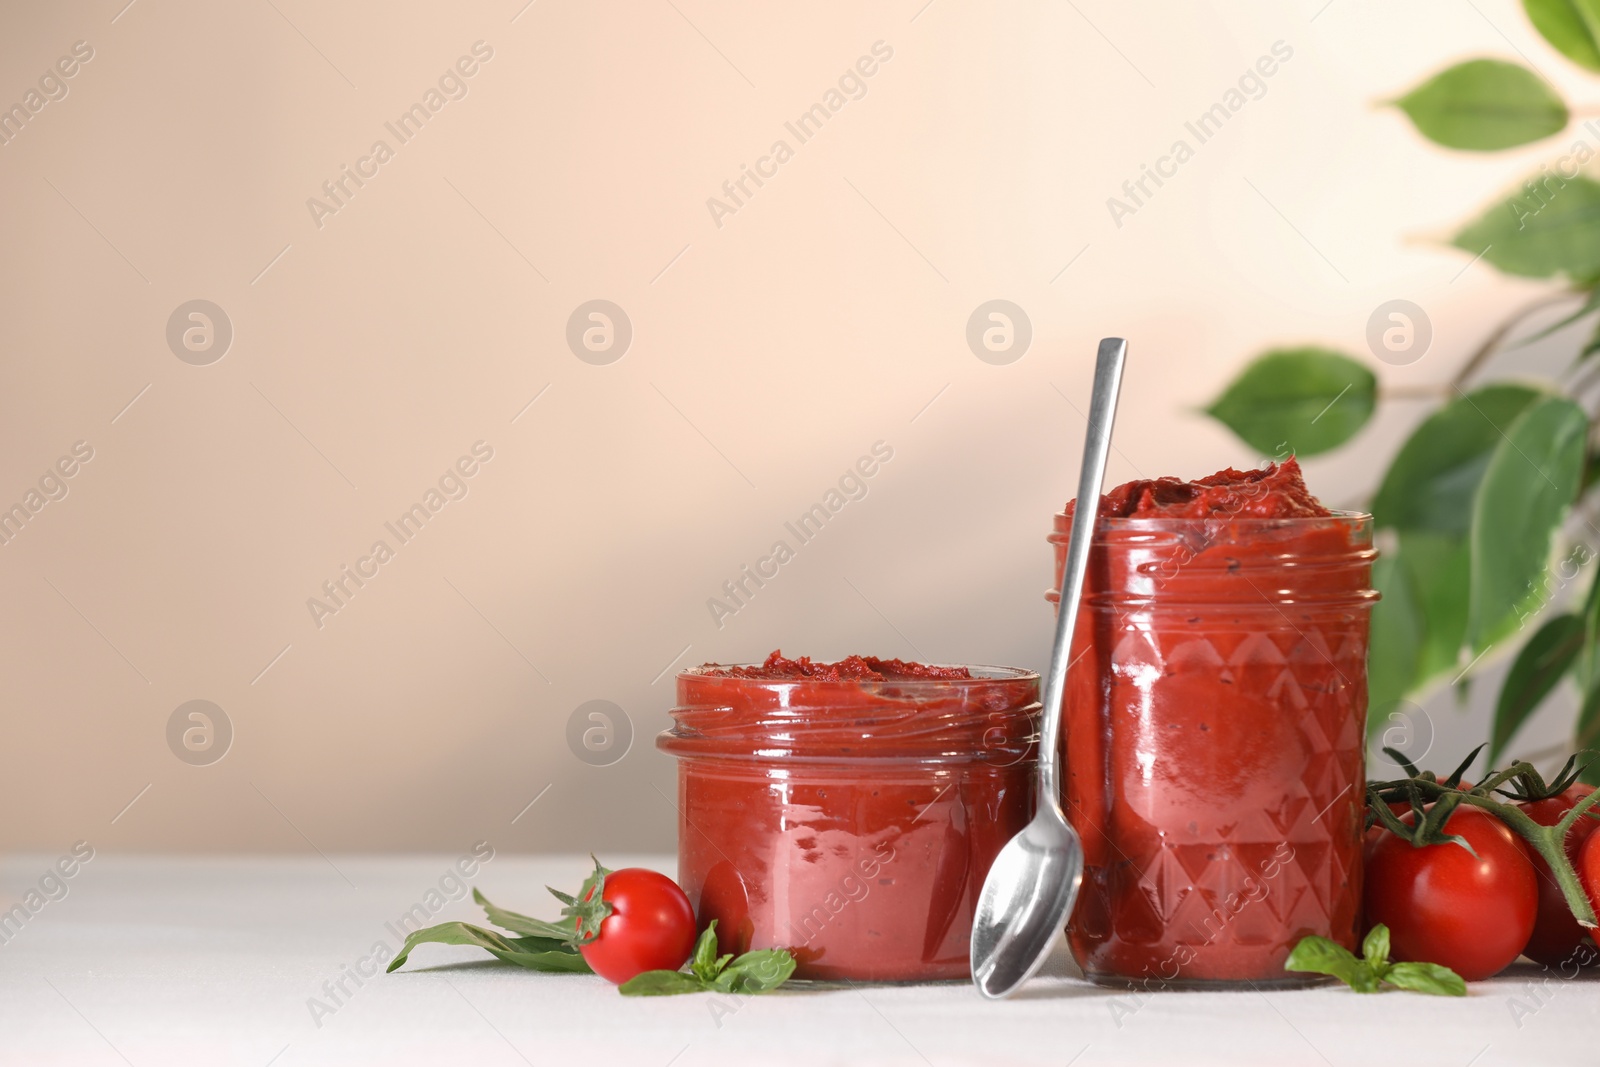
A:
(1472, 506)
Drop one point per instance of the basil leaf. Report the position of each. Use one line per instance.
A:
(1539, 238)
(1530, 482)
(756, 972)
(1427, 978)
(1375, 949)
(523, 924)
(1571, 26)
(661, 984)
(704, 964)
(1483, 105)
(1318, 955)
(1310, 399)
(1541, 663)
(530, 952)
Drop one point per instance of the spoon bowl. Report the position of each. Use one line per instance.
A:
(1031, 888)
(1025, 899)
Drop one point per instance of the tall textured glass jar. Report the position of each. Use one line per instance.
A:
(850, 820)
(1214, 744)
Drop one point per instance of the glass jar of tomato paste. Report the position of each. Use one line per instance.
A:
(1214, 735)
(849, 811)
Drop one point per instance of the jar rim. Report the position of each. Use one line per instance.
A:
(990, 717)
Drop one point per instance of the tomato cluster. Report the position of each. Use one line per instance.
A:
(1476, 911)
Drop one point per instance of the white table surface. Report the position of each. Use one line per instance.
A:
(153, 961)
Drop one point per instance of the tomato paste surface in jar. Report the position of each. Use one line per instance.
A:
(1214, 729)
(849, 811)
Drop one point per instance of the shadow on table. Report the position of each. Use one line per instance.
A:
(1068, 979)
(1058, 978)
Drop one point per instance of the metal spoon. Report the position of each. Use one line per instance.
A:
(1034, 881)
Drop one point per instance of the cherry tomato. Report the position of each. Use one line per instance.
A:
(1588, 867)
(1443, 905)
(1556, 934)
(650, 928)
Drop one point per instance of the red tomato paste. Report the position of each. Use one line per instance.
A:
(1276, 491)
(849, 811)
(1214, 730)
(868, 668)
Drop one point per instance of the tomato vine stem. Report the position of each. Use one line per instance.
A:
(1433, 801)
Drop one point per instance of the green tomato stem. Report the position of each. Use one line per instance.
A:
(1548, 841)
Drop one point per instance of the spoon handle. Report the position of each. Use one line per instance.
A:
(1096, 445)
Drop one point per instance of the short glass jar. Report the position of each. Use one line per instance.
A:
(851, 821)
(1214, 742)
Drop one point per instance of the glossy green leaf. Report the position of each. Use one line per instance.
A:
(1441, 573)
(1432, 481)
(1586, 737)
(1483, 105)
(1427, 978)
(1586, 667)
(529, 952)
(1301, 400)
(1529, 484)
(1396, 640)
(1554, 229)
(1571, 26)
(1430, 494)
(1586, 672)
(1591, 473)
(1541, 663)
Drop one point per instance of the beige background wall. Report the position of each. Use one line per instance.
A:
(768, 353)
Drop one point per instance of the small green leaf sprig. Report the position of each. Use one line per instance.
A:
(554, 947)
(1372, 970)
(541, 946)
(759, 971)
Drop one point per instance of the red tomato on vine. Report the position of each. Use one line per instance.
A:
(1443, 904)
